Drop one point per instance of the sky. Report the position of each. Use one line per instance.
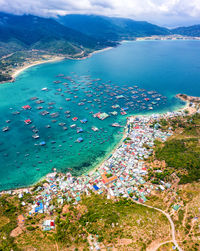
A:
(169, 13)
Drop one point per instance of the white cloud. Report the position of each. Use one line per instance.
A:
(157, 11)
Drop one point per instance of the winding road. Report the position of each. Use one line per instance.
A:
(166, 214)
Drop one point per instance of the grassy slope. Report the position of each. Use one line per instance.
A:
(122, 224)
(181, 153)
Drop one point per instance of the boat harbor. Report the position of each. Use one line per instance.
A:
(69, 110)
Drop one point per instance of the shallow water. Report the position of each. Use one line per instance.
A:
(167, 67)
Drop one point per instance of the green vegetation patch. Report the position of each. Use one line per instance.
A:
(107, 220)
(8, 209)
(181, 152)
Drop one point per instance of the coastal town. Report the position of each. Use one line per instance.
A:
(100, 125)
(122, 175)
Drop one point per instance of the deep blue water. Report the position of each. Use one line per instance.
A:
(166, 67)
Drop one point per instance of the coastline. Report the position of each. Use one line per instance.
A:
(16, 72)
(101, 163)
(91, 53)
(27, 65)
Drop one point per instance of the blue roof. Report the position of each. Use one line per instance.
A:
(40, 207)
(96, 187)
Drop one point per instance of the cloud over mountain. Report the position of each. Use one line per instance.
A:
(169, 12)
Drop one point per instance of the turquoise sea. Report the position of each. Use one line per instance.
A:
(135, 75)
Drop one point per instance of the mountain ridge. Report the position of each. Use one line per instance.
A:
(193, 30)
(111, 28)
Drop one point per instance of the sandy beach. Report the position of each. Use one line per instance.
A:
(27, 65)
(17, 71)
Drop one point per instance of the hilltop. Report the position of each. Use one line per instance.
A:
(192, 31)
(111, 28)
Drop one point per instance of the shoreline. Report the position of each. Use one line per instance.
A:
(93, 169)
(18, 71)
(91, 53)
(101, 162)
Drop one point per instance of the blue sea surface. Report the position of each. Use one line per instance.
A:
(132, 70)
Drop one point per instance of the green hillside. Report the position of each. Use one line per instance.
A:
(109, 28)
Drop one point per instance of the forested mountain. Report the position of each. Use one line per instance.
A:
(32, 32)
(111, 28)
(193, 31)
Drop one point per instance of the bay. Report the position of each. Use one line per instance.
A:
(166, 67)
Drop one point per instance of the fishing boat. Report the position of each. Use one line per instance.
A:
(79, 140)
(114, 113)
(44, 89)
(54, 115)
(42, 143)
(95, 129)
(62, 124)
(26, 107)
(35, 136)
(115, 106)
(75, 118)
(16, 113)
(33, 98)
(73, 126)
(39, 101)
(83, 121)
(27, 121)
(115, 125)
(5, 129)
(43, 113)
(79, 130)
